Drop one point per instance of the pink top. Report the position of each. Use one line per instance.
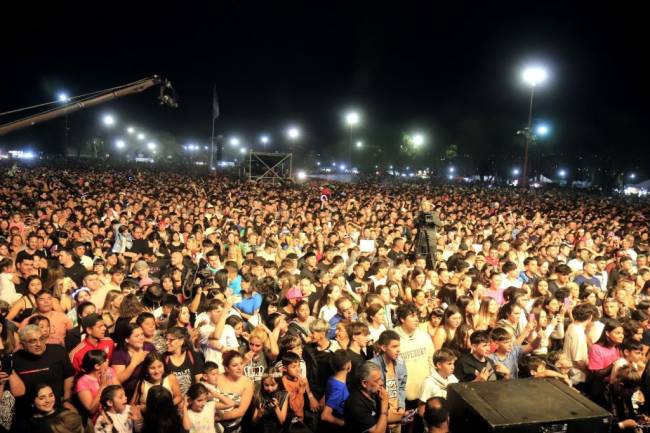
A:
(90, 383)
(497, 295)
(602, 357)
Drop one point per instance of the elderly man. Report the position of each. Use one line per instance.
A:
(366, 410)
(39, 362)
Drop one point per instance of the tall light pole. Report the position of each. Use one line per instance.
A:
(532, 76)
(64, 98)
(351, 119)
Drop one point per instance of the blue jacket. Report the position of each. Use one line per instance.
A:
(400, 372)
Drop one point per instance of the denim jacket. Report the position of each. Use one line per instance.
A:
(400, 373)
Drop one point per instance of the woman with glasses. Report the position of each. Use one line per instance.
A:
(182, 360)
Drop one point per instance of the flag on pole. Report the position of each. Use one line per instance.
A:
(215, 103)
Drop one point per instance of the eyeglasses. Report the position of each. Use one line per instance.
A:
(34, 341)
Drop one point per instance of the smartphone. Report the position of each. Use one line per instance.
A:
(7, 364)
(567, 302)
(408, 416)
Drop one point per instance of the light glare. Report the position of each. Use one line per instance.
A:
(534, 75)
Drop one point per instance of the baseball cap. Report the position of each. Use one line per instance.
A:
(294, 293)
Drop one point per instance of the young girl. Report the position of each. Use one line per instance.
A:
(271, 404)
(116, 415)
(155, 373)
(375, 321)
(98, 376)
(327, 303)
(198, 410)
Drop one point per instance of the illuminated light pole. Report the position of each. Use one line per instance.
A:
(64, 98)
(293, 133)
(418, 140)
(108, 120)
(532, 76)
(352, 119)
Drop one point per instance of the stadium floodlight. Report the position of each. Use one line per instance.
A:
(120, 144)
(534, 75)
(264, 139)
(418, 139)
(63, 97)
(234, 141)
(151, 145)
(352, 118)
(542, 130)
(141, 136)
(359, 144)
(301, 175)
(108, 120)
(293, 133)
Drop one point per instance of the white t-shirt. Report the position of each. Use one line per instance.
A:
(327, 312)
(376, 332)
(227, 338)
(575, 265)
(202, 422)
(8, 289)
(575, 347)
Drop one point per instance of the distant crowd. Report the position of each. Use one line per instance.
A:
(160, 302)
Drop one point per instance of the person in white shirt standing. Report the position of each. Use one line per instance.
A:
(441, 376)
(215, 336)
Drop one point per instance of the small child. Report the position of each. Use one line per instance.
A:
(294, 384)
(97, 376)
(198, 412)
(537, 367)
(507, 354)
(271, 404)
(209, 380)
(116, 416)
(562, 363)
(336, 392)
(435, 385)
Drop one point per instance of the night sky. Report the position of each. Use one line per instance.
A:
(453, 73)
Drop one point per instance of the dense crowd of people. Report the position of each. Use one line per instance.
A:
(162, 302)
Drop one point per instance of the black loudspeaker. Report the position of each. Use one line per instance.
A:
(523, 406)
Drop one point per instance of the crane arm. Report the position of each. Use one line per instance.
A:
(129, 89)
